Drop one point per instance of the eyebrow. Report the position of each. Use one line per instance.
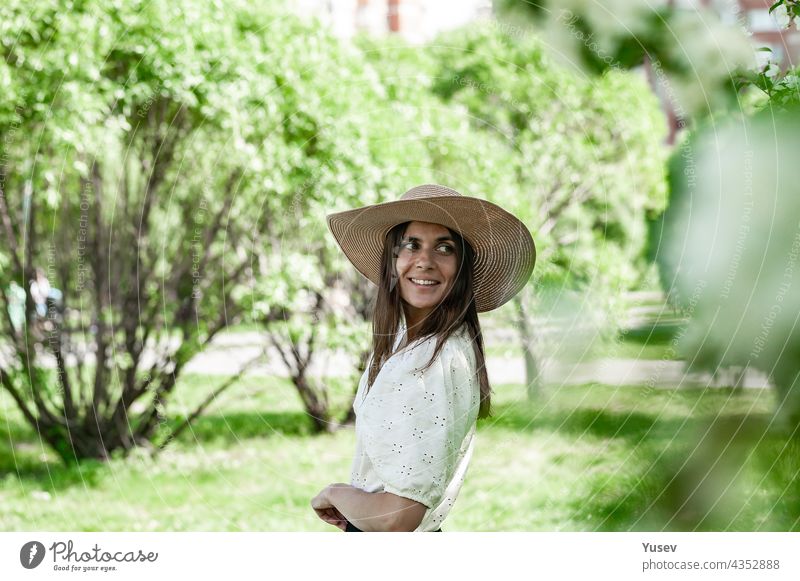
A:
(439, 239)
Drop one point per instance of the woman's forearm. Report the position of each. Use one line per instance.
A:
(368, 511)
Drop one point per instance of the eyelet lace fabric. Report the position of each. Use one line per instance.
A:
(415, 430)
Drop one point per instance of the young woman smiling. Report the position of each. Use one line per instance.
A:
(438, 259)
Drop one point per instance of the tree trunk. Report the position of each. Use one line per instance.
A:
(533, 378)
(317, 407)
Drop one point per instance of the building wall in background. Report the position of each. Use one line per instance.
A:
(417, 21)
(768, 31)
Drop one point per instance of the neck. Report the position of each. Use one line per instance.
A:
(414, 319)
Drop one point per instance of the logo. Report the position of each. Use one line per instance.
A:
(31, 554)
(66, 558)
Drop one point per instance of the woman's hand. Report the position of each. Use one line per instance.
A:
(326, 511)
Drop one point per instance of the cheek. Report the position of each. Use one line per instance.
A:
(450, 269)
(401, 264)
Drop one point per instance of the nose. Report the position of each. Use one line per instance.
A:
(424, 261)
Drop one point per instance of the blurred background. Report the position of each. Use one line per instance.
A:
(181, 339)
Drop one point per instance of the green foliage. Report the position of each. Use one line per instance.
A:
(722, 245)
(736, 173)
(730, 246)
(170, 160)
(773, 88)
(788, 10)
(695, 54)
(583, 161)
(391, 133)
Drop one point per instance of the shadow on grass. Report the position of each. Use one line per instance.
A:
(654, 333)
(728, 473)
(36, 467)
(600, 423)
(232, 427)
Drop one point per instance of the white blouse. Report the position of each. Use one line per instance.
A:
(415, 431)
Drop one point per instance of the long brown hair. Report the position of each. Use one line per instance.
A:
(456, 308)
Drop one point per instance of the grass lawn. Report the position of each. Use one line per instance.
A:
(634, 344)
(581, 458)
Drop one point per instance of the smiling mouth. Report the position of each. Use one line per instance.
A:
(424, 283)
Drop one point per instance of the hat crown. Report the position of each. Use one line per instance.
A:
(428, 191)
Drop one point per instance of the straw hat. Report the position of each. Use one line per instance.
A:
(504, 250)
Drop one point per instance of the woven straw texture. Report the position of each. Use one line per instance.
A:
(504, 250)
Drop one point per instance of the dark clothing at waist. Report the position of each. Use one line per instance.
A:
(353, 529)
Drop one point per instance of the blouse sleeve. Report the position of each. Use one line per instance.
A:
(413, 426)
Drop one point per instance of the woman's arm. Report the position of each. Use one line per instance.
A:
(376, 511)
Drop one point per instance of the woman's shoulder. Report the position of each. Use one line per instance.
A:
(462, 344)
(461, 336)
(457, 343)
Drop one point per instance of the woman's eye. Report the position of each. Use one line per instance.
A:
(444, 248)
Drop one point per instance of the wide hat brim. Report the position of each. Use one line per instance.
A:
(504, 250)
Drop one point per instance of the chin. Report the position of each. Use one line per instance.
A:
(428, 302)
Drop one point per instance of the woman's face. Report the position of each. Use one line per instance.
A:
(427, 265)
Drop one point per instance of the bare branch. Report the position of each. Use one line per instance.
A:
(8, 229)
(284, 357)
(7, 382)
(97, 255)
(577, 196)
(211, 230)
(63, 378)
(212, 397)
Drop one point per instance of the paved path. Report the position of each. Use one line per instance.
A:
(230, 352)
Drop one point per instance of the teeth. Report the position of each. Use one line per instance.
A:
(424, 282)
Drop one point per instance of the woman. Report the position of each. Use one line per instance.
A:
(438, 258)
